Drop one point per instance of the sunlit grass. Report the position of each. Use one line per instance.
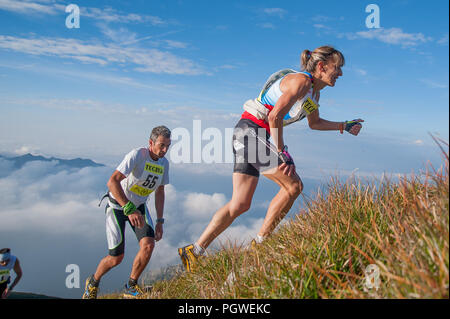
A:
(402, 227)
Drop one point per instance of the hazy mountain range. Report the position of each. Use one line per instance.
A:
(20, 161)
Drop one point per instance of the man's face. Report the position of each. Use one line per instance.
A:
(160, 146)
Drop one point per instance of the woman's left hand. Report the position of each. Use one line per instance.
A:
(288, 169)
(353, 127)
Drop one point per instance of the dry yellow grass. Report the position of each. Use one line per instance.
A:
(402, 227)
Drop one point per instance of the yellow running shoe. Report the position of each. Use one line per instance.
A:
(133, 292)
(90, 291)
(188, 258)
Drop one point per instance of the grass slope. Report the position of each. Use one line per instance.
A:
(402, 227)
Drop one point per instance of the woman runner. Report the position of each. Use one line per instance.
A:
(288, 96)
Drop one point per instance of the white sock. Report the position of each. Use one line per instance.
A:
(259, 239)
(198, 250)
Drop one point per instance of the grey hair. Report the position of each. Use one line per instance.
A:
(158, 131)
(310, 59)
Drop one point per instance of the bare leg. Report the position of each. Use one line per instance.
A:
(290, 189)
(106, 264)
(244, 187)
(143, 256)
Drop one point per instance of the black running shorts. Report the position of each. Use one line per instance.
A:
(115, 228)
(253, 152)
(3, 287)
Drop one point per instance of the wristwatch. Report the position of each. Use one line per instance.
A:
(160, 220)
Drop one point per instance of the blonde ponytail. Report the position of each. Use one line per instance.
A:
(310, 59)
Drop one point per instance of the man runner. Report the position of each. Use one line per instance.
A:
(8, 262)
(142, 171)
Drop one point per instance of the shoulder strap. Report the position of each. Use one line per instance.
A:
(272, 79)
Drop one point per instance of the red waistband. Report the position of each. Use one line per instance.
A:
(261, 123)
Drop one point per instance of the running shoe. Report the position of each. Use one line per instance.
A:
(188, 257)
(133, 292)
(90, 291)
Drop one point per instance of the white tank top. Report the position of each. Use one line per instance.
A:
(272, 92)
(5, 271)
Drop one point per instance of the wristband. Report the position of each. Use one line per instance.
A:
(341, 128)
(160, 220)
(285, 156)
(129, 208)
(350, 124)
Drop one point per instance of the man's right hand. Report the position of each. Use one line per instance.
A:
(136, 219)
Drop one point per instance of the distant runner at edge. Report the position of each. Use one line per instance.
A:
(287, 97)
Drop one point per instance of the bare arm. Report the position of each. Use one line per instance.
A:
(317, 123)
(116, 190)
(159, 201)
(18, 271)
(159, 205)
(294, 87)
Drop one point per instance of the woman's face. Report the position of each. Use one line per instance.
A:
(331, 70)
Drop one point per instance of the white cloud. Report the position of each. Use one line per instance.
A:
(320, 18)
(394, 36)
(25, 149)
(5, 167)
(202, 205)
(28, 7)
(227, 67)
(267, 25)
(434, 85)
(361, 72)
(106, 14)
(109, 14)
(176, 44)
(143, 60)
(321, 26)
(275, 12)
(240, 234)
(443, 40)
(53, 202)
(120, 35)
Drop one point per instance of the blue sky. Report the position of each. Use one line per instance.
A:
(212, 56)
(97, 91)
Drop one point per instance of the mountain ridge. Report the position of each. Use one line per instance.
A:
(20, 161)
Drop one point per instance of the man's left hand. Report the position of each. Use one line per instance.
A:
(158, 231)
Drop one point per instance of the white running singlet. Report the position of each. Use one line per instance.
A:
(143, 175)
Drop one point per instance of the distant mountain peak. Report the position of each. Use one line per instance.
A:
(21, 160)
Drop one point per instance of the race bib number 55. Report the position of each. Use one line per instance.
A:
(153, 174)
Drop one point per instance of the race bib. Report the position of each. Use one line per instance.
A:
(153, 174)
(154, 168)
(4, 275)
(309, 106)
